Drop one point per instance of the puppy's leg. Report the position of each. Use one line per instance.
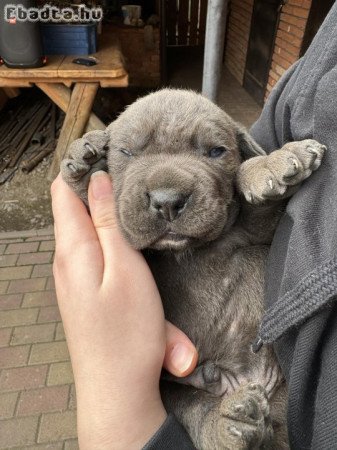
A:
(265, 182)
(240, 422)
(86, 155)
(279, 175)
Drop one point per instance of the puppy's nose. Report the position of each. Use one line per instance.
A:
(168, 203)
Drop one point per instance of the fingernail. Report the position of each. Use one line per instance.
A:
(181, 357)
(101, 185)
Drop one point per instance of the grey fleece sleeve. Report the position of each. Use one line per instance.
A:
(170, 436)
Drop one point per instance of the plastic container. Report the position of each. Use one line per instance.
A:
(69, 39)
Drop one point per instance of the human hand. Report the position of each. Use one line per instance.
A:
(114, 323)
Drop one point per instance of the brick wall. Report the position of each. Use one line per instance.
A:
(140, 47)
(240, 14)
(289, 39)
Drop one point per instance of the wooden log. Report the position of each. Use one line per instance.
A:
(3, 98)
(78, 113)
(61, 95)
(12, 92)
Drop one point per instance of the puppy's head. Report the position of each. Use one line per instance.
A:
(173, 158)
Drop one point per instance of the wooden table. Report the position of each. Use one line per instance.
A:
(56, 79)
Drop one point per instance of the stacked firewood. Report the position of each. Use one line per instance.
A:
(29, 127)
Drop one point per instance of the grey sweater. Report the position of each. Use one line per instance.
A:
(301, 277)
(301, 286)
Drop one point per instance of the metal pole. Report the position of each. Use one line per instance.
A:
(214, 47)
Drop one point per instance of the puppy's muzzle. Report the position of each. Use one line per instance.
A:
(168, 204)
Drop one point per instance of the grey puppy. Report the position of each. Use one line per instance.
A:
(201, 199)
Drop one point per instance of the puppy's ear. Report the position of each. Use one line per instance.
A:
(247, 146)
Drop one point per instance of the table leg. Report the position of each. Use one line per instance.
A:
(77, 115)
(61, 95)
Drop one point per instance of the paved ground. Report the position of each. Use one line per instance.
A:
(37, 396)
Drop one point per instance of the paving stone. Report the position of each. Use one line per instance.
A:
(41, 298)
(71, 445)
(8, 241)
(13, 356)
(8, 260)
(10, 301)
(16, 317)
(59, 335)
(22, 247)
(34, 258)
(49, 314)
(3, 286)
(42, 270)
(2, 248)
(18, 432)
(15, 273)
(72, 398)
(60, 373)
(48, 231)
(57, 426)
(52, 446)
(23, 378)
(7, 404)
(5, 335)
(33, 334)
(46, 399)
(50, 283)
(50, 352)
(30, 285)
(40, 238)
(47, 246)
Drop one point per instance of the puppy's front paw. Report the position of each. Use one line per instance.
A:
(279, 174)
(86, 155)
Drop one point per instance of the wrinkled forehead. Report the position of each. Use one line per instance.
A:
(173, 119)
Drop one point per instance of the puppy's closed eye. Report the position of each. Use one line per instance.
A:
(126, 152)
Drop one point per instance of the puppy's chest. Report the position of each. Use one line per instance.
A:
(197, 295)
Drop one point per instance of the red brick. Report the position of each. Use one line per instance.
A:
(10, 301)
(42, 270)
(13, 356)
(30, 285)
(49, 314)
(8, 260)
(23, 378)
(33, 333)
(23, 247)
(42, 298)
(298, 22)
(43, 400)
(5, 335)
(34, 258)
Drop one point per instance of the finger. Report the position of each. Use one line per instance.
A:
(103, 215)
(181, 356)
(70, 214)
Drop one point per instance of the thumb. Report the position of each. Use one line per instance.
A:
(103, 215)
(181, 356)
